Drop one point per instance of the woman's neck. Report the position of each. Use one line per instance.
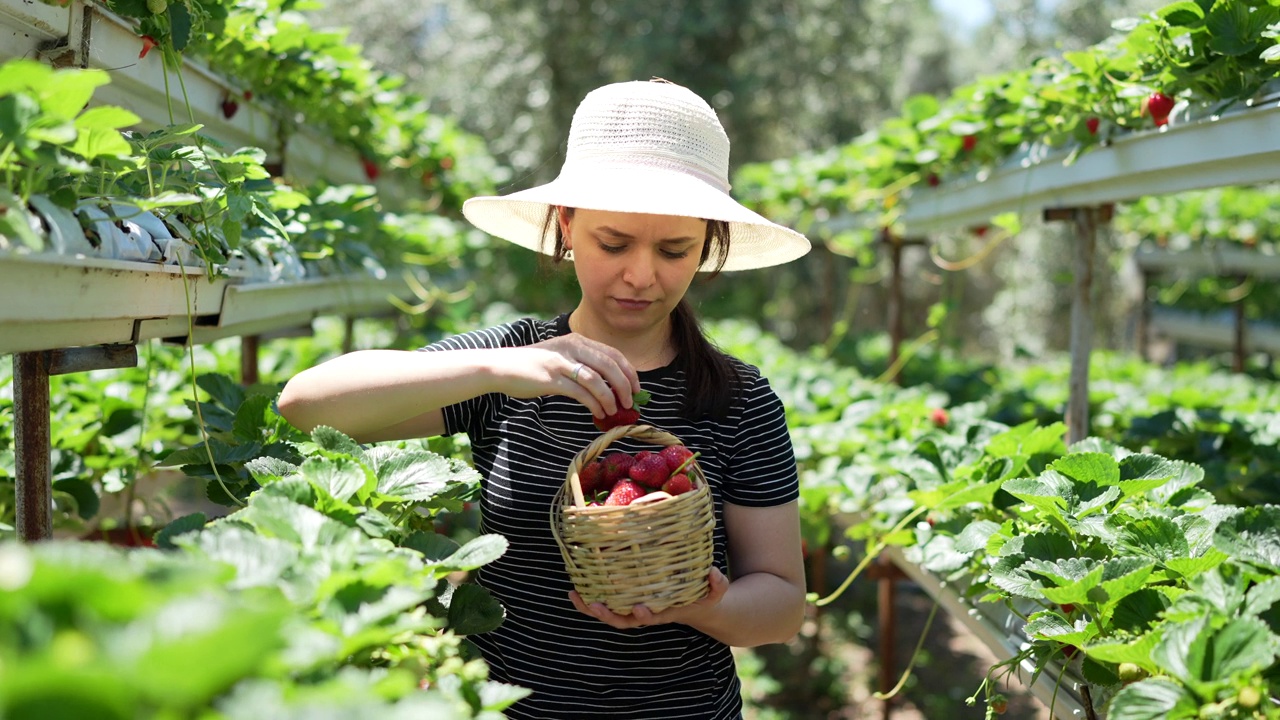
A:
(646, 350)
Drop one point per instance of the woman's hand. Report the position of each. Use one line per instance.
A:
(596, 375)
(641, 616)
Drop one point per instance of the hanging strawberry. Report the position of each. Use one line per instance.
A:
(1159, 105)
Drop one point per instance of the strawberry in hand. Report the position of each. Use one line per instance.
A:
(624, 416)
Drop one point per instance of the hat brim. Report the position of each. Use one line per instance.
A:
(754, 241)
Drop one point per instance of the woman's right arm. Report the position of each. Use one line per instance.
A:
(374, 395)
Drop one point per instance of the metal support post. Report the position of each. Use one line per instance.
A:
(1086, 221)
(248, 360)
(31, 431)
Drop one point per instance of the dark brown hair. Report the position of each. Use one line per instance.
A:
(712, 381)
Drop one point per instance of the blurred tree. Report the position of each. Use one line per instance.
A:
(784, 75)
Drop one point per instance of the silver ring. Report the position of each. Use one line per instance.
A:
(577, 370)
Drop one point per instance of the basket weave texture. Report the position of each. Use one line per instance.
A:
(653, 553)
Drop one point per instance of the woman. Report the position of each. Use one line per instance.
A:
(640, 207)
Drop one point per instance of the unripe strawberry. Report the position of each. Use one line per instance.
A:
(624, 493)
(157, 6)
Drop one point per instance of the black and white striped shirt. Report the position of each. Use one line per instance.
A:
(575, 665)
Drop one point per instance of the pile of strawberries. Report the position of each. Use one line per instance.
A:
(618, 478)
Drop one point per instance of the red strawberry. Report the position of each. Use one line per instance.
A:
(624, 493)
(940, 417)
(248, 94)
(446, 163)
(980, 230)
(616, 465)
(678, 484)
(934, 180)
(675, 456)
(371, 169)
(1067, 608)
(649, 469)
(969, 142)
(591, 477)
(1092, 125)
(148, 42)
(624, 416)
(229, 107)
(1159, 105)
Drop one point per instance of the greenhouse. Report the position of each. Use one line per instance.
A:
(440, 361)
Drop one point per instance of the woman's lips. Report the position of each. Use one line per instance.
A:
(626, 304)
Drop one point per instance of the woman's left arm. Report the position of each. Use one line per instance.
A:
(765, 601)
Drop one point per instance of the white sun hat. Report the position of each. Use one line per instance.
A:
(642, 147)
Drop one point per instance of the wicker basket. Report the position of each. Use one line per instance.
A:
(652, 553)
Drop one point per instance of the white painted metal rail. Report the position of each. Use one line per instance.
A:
(1239, 148)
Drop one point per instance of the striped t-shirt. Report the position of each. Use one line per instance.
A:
(575, 665)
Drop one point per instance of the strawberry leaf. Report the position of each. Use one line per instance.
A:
(1152, 699)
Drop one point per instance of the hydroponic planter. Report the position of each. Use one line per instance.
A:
(1240, 148)
(1213, 331)
(1206, 260)
(1001, 631)
(256, 308)
(86, 35)
(51, 301)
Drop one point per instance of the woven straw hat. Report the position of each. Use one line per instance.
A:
(642, 147)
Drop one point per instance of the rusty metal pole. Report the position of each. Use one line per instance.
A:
(895, 300)
(887, 612)
(31, 446)
(1240, 334)
(248, 360)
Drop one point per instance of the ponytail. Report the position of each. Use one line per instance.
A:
(712, 380)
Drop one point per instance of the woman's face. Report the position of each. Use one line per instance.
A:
(633, 268)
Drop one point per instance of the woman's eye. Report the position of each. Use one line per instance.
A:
(675, 255)
(612, 249)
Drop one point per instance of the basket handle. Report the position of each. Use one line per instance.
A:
(643, 433)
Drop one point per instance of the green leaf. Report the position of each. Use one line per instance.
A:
(1183, 649)
(1124, 576)
(479, 551)
(258, 560)
(1181, 14)
(179, 25)
(1088, 468)
(496, 696)
(417, 476)
(87, 501)
(1136, 612)
(63, 94)
(225, 391)
(1193, 566)
(1010, 574)
(1252, 535)
(1152, 536)
(106, 117)
(1048, 625)
(1244, 646)
(334, 441)
(94, 143)
(975, 535)
(1235, 29)
(251, 418)
(1153, 699)
(1136, 651)
(1050, 493)
(433, 546)
(1271, 55)
(473, 610)
(341, 477)
(167, 199)
(194, 522)
(1262, 596)
(268, 469)
(1141, 473)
